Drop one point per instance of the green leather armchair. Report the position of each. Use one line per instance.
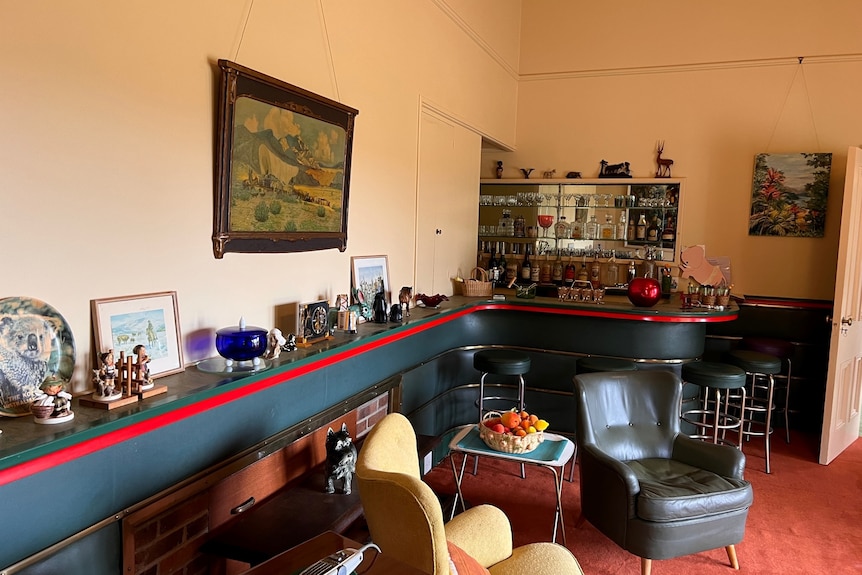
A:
(406, 521)
(652, 490)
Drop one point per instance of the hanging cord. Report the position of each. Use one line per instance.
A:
(332, 73)
(242, 34)
(796, 72)
(810, 107)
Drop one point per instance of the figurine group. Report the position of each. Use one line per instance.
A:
(132, 376)
(606, 170)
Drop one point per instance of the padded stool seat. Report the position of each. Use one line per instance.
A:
(713, 374)
(599, 364)
(783, 350)
(761, 367)
(713, 415)
(501, 362)
(754, 361)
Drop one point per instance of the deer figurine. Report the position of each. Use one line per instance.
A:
(664, 164)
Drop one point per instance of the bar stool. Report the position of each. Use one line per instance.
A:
(713, 415)
(759, 369)
(594, 364)
(500, 362)
(783, 350)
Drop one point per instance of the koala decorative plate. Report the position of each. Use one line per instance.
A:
(35, 344)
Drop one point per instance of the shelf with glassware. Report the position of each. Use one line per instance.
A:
(561, 230)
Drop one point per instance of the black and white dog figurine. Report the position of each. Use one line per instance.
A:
(340, 459)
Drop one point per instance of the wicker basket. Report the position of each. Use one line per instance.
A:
(478, 285)
(506, 442)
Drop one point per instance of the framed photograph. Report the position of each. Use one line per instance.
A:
(369, 274)
(788, 195)
(283, 166)
(152, 320)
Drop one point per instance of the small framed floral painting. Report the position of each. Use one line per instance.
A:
(788, 195)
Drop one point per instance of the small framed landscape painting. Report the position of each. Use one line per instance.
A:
(788, 195)
(151, 320)
(370, 274)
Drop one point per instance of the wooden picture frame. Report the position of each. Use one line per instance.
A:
(121, 323)
(283, 166)
(367, 273)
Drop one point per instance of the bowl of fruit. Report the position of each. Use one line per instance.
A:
(512, 431)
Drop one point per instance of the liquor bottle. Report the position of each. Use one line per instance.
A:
(668, 234)
(596, 274)
(640, 229)
(631, 272)
(621, 226)
(501, 276)
(666, 281)
(630, 230)
(493, 266)
(577, 228)
(606, 230)
(535, 274)
(612, 271)
(557, 273)
(591, 230)
(505, 225)
(520, 226)
(583, 274)
(569, 273)
(653, 232)
(561, 228)
(526, 266)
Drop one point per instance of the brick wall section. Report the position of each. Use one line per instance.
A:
(168, 543)
(370, 413)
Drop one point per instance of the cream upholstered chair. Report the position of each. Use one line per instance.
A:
(406, 521)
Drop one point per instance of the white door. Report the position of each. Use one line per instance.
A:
(447, 203)
(844, 378)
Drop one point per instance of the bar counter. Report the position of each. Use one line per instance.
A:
(104, 462)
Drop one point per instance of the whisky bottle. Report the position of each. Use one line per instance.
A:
(668, 234)
(653, 231)
(640, 229)
(526, 266)
(591, 230)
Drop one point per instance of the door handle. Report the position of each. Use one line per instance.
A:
(848, 321)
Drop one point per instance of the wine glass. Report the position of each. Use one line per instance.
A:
(546, 221)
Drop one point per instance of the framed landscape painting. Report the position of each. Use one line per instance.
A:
(788, 195)
(283, 166)
(369, 275)
(152, 320)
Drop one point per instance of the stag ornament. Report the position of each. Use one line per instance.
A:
(664, 164)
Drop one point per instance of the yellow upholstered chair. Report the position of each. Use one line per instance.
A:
(405, 519)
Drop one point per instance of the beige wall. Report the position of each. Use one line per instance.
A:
(106, 140)
(719, 83)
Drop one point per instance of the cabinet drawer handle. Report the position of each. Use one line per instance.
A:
(244, 506)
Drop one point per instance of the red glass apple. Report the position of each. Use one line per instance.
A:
(644, 292)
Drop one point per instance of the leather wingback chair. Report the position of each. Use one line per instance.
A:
(405, 519)
(652, 490)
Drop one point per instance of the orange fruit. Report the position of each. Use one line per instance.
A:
(520, 432)
(525, 423)
(541, 425)
(534, 418)
(524, 415)
(510, 419)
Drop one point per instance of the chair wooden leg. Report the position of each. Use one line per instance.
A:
(731, 554)
(646, 566)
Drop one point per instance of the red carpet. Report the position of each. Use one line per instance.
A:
(806, 518)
